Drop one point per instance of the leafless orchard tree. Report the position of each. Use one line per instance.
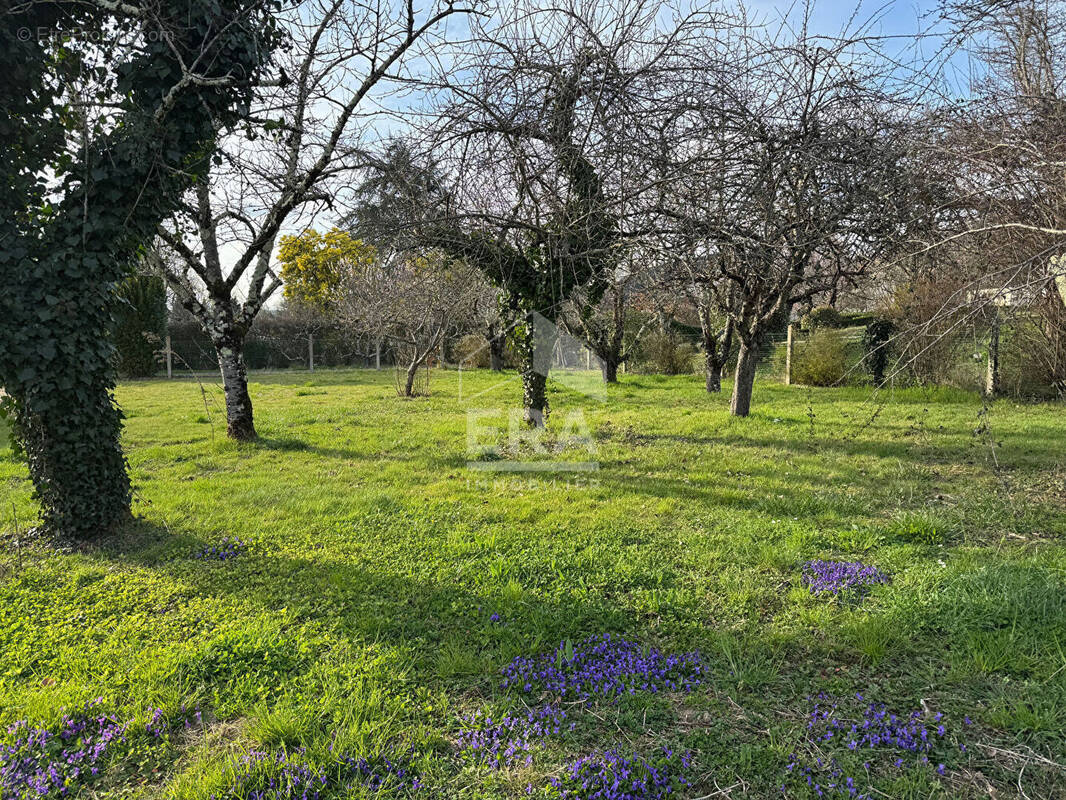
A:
(689, 273)
(414, 300)
(305, 134)
(494, 320)
(542, 146)
(1008, 145)
(598, 314)
(1014, 127)
(714, 301)
(795, 181)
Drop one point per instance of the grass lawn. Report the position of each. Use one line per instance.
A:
(382, 586)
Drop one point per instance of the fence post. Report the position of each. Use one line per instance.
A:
(377, 353)
(311, 352)
(170, 358)
(788, 354)
(992, 371)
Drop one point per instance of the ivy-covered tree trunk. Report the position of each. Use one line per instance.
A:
(71, 438)
(716, 347)
(716, 352)
(607, 345)
(744, 380)
(240, 421)
(534, 396)
(106, 196)
(536, 342)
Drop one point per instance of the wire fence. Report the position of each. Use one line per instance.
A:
(1024, 366)
(1015, 359)
(308, 351)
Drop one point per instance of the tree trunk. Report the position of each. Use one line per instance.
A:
(496, 352)
(409, 384)
(536, 344)
(744, 380)
(240, 424)
(712, 358)
(75, 460)
(714, 373)
(716, 352)
(534, 397)
(610, 369)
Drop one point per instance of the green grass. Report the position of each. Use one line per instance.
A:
(359, 616)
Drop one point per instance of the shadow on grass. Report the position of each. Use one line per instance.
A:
(294, 445)
(362, 604)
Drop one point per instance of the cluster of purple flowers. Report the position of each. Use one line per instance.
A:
(223, 551)
(841, 577)
(826, 779)
(38, 763)
(610, 776)
(601, 666)
(384, 773)
(880, 737)
(510, 740)
(278, 776)
(274, 776)
(159, 726)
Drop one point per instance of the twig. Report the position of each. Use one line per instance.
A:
(718, 793)
(1028, 758)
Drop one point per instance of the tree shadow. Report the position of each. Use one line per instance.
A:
(293, 445)
(362, 603)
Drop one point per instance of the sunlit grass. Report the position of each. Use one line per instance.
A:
(360, 614)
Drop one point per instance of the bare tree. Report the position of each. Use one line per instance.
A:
(492, 318)
(304, 134)
(795, 183)
(415, 300)
(1008, 145)
(543, 148)
(598, 315)
(692, 273)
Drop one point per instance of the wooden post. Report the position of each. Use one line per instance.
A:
(377, 354)
(1060, 277)
(170, 359)
(992, 370)
(788, 354)
(588, 358)
(311, 352)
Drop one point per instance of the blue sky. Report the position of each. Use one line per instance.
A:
(892, 25)
(830, 17)
(908, 29)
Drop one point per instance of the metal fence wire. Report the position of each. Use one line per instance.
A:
(959, 359)
(192, 351)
